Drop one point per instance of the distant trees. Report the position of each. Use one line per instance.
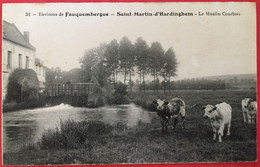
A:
(112, 57)
(156, 53)
(126, 58)
(142, 57)
(107, 61)
(55, 75)
(190, 84)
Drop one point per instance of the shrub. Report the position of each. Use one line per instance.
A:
(22, 84)
(120, 94)
(72, 134)
(100, 102)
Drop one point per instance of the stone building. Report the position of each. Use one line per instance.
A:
(17, 52)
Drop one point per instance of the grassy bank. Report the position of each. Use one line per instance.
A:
(99, 143)
(30, 104)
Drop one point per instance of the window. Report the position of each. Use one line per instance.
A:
(20, 61)
(9, 60)
(27, 62)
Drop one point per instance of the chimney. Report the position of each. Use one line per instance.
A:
(26, 36)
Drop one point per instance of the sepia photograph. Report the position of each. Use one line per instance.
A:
(129, 83)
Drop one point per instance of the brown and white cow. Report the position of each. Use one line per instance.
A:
(249, 110)
(219, 116)
(174, 107)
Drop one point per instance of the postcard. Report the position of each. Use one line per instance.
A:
(111, 83)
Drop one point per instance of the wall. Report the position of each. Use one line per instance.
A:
(16, 50)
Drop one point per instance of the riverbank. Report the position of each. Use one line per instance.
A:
(100, 143)
(31, 104)
(95, 142)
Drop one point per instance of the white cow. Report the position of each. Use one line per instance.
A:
(219, 116)
(249, 110)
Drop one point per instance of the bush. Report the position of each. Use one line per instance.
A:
(120, 94)
(72, 134)
(22, 84)
(120, 88)
(100, 102)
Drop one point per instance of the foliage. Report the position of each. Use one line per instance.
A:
(112, 58)
(22, 84)
(72, 134)
(141, 52)
(105, 61)
(120, 94)
(156, 61)
(169, 64)
(126, 57)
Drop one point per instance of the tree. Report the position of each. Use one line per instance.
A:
(111, 55)
(94, 65)
(156, 53)
(170, 63)
(127, 58)
(141, 52)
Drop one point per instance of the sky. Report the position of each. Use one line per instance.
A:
(204, 45)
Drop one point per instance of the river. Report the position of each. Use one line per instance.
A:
(24, 126)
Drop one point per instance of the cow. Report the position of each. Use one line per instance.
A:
(219, 116)
(165, 109)
(249, 110)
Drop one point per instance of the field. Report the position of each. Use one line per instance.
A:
(145, 143)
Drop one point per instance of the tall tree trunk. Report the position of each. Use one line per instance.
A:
(144, 81)
(140, 83)
(125, 76)
(169, 83)
(157, 82)
(130, 81)
(116, 76)
(154, 81)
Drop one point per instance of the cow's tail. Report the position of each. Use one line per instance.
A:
(192, 106)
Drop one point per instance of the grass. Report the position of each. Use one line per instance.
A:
(99, 143)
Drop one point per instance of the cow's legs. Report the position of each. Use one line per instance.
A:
(253, 118)
(175, 121)
(214, 135)
(245, 116)
(163, 124)
(183, 121)
(249, 118)
(214, 132)
(220, 132)
(228, 128)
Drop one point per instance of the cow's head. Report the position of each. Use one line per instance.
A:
(209, 111)
(246, 102)
(160, 104)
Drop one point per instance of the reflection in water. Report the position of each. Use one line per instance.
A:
(26, 125)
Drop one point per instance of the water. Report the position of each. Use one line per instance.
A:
(24, 126)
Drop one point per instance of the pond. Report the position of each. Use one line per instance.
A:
(24, 126)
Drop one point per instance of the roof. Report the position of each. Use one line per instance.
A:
(11, 33)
